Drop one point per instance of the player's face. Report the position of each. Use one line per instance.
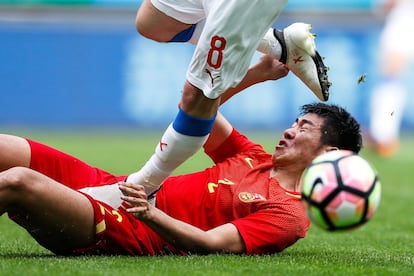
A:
(300, 143)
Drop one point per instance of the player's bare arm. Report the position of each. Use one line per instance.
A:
(222, 239)
(267, 68)
(220, 132)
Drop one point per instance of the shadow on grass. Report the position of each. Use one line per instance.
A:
(33, 256)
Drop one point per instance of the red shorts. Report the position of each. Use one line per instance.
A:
(117, 232)
(67, 169)
(120, 233)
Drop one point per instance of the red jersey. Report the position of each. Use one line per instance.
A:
(238, 189)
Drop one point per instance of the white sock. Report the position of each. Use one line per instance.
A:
(172, 151)
(270, 45)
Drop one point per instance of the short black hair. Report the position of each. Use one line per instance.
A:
(339, 129)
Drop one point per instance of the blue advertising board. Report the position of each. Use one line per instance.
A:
(63, 74)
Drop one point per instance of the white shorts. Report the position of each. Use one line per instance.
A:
(231, 34)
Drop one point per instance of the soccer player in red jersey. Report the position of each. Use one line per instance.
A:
(247, 203)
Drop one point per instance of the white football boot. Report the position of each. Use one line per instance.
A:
(301, 57)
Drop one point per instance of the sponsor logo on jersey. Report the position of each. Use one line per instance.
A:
(250, 197)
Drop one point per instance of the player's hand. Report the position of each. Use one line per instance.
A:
(136, 197)
(269, 68)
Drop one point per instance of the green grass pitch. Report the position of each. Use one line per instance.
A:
(384, 246)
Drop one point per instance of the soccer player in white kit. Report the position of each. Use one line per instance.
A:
(396, 53)
(226, 34)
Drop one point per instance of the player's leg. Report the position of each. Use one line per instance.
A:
(176, 22)
(14, 151)
(388, 97)
(58, 218)
(220, 61)
(182, 139)
(19, 152)
(64, 168)
(168, 22)
(387, 106)
(294, 46)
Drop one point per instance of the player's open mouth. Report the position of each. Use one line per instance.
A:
(282, 143)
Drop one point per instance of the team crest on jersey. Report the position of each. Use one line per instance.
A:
(250, 197)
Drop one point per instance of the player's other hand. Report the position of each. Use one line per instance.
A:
(136, 197)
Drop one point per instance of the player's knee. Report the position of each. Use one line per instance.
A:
(15, 181)
(151, 34)
(140, 28)
(151, 31)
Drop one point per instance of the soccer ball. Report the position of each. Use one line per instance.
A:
(340, 190)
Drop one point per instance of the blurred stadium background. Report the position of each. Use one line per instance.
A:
(80, 63)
